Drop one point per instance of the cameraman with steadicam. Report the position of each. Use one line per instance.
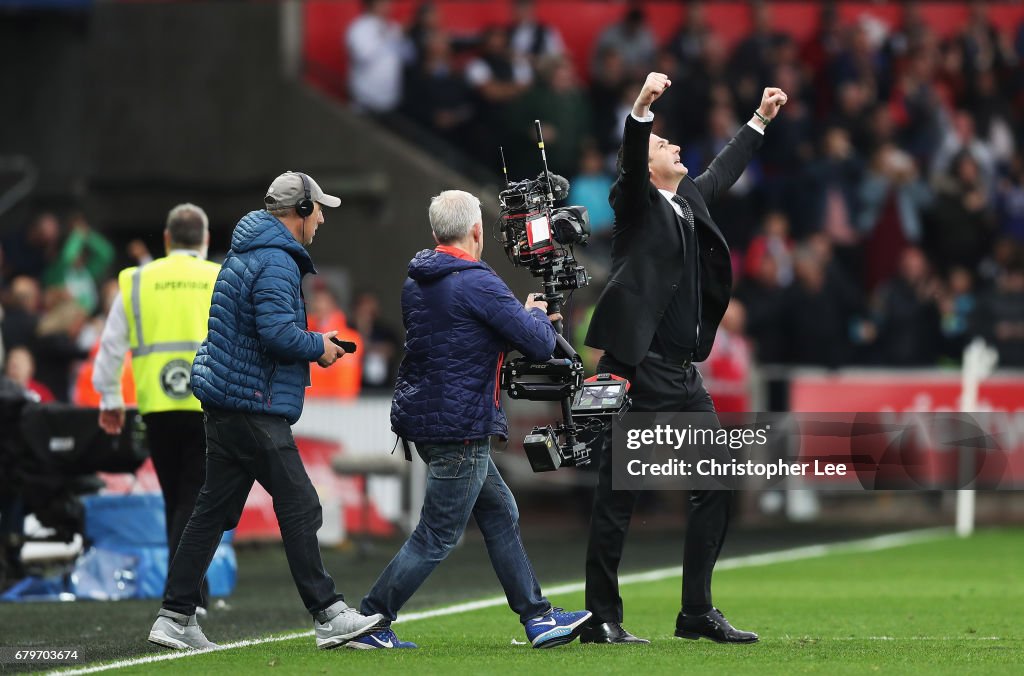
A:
(460, 318)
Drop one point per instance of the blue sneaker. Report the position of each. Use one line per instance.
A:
(385, 638)
(556, 628)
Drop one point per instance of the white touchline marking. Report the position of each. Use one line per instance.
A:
(871, 544)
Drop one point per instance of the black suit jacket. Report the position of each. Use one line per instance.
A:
(647, 248)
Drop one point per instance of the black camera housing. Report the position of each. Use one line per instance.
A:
(540, 237)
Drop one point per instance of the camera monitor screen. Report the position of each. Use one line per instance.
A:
(538, 232)
(599, 397)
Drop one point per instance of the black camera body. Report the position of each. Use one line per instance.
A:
(540, 237)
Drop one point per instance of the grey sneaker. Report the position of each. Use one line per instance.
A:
(339, 624)
(179, 632)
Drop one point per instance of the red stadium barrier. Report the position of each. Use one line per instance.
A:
(899, 395)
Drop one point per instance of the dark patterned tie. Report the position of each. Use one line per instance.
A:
(685, 207)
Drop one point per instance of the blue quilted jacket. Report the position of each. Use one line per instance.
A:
(257, 350)
(460, 319)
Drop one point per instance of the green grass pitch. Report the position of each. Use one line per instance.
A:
(942, 606)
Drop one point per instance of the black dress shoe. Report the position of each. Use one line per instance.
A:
(609, 632)
(711, 625)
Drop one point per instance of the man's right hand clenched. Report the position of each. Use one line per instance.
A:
(654, 87)
(332, 352)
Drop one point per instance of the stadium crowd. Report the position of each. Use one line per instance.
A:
(58, 278)
(881, 223)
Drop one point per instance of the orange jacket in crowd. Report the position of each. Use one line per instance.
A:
(343, 380)
(85, 395)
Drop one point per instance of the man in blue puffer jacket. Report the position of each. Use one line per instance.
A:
(460, 318)
(250, 375)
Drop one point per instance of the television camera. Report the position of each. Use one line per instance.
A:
(540, 237)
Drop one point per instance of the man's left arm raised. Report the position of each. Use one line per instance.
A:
(730, 163)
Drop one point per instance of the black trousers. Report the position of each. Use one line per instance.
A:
(177, 446)
(242, 448)
(656, 386)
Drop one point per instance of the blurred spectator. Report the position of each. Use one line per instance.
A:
(499, 79)
(590, 188)
(773, 242)
(727, 369)
(754, 58)
(787, 150)
(425, 23)
(891, 199)
(21, 367)
(818, 52)
(374, 45)
(631, 38)
(436, 94)
(836, 176)
(908, 317)
(816, 323)
(83, 391)
(30, 251)
(960, 225)
(704, 85)
(984, 47)
(736, 206)
(687, 45)
(862, 60)
(383, 343)
(961, 138)
(853, 113)
(992, 114)
(497, 73)
(528, 37)
(138, 252)
(1004, 255)
(22, 313)
(607, 84)
(81, 265)
(919, 106)
(765, 300)
(911, 34)
(957, 305)
(1010, 200)
(344, 379)
(562, 107)
(1000, 316)
(56, 348)
(842, 288)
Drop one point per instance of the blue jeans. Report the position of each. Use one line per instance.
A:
(461, 480)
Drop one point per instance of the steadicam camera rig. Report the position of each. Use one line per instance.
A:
(540, 237)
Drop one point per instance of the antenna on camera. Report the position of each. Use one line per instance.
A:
(544, 160)
(504, 167)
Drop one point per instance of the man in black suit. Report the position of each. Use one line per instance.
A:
(669, 286)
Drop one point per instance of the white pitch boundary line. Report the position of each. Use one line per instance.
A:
(871, 544)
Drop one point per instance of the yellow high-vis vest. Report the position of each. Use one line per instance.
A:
(167, 303)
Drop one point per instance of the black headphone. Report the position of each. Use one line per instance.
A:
(304, 207)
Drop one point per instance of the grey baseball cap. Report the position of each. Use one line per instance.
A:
(287, 191)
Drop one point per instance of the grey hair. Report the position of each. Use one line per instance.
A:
(279, 211)
(453, 214)
(187, 225)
